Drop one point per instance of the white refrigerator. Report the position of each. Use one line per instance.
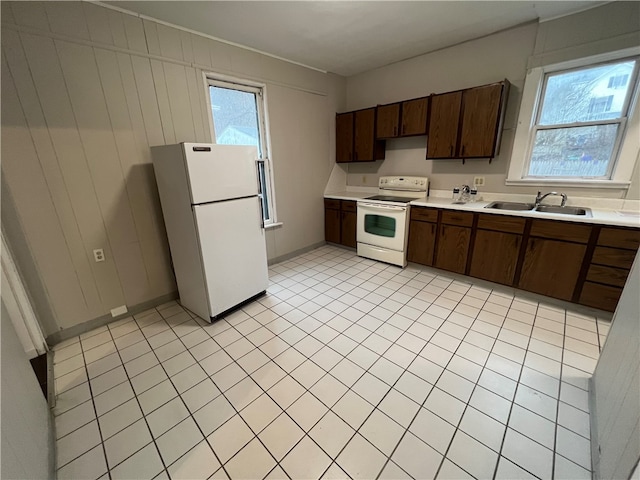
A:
(212, 213)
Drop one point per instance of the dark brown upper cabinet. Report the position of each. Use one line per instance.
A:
(355, 137)
(404, 119)
(388, 121)
(480, 121)
(414, 117)
(344, 137)
(442, 140)
(467, 123)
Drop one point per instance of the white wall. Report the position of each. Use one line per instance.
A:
(26, 446)
(616, 389)
(85, 91)
(506, 54)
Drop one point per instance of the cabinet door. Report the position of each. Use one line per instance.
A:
(364, 134)
(344, 137)
(604, 297)
(443, 125)
(332, 225)
(414, 117)
(480, 116)
(551, 267)
(422, 239)
(495, 255)
(453, 248)
(348, 225)
(387, 120)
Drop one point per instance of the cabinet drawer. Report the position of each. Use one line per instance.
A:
(348, 206)
(462, 219)
(424, 214)
(501, 223)
(600, 296)
(569, 232)
(619, 237)
(607, 275)
(613, 257)
(331, 204)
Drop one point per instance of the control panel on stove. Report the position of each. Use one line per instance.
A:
(415, 184)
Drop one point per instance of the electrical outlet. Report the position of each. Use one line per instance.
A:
(478, 181)
(364, 179)
(98, 255)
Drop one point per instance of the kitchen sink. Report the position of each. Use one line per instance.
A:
(564, 210)
(511, 206)
(540, 208)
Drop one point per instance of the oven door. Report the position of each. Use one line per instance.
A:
(382, 225)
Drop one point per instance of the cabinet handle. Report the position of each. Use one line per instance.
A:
(404, 128)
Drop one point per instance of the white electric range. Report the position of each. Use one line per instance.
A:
(383, 219)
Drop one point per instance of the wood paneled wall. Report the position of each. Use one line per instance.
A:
(85, 91)
(615, 448)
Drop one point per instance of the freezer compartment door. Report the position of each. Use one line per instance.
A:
(220, 172)
(233, 249)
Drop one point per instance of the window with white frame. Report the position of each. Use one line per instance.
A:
(574, 121)
(238, 115)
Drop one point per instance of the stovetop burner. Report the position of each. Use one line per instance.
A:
(391, 198)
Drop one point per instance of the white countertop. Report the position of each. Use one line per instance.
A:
(600, 216)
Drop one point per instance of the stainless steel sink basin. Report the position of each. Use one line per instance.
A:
(564, 210)
(511, 206)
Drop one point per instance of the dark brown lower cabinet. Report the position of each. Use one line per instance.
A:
(348, 222)
(495, 256)
(604, 297)
(551, 267)
(609, 267)
(332, 220)
(453, 248)
(422, 240)
(577, 262)
(340, 221)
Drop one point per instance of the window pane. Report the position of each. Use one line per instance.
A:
(573, 152)
(235, 117)
(590, 94)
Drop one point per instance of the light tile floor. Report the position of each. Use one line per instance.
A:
(346, 368)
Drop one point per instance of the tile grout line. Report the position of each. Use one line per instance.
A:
(183, 403)
(555, 427)
(95, 411)
(506, 430)
(144, 417)
(427, 397)
(457, 427)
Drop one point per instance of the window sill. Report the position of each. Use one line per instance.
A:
(578, 183)
(273, 225)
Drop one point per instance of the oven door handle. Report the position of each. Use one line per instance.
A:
(381, 207)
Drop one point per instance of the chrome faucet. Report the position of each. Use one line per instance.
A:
(465, 193)
(540, 197)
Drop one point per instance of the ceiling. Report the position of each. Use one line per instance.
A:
(350, 37)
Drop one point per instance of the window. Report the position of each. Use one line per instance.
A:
(238, 114)
(618, 81)
(573, 122)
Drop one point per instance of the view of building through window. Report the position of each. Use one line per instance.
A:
(580, 119)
